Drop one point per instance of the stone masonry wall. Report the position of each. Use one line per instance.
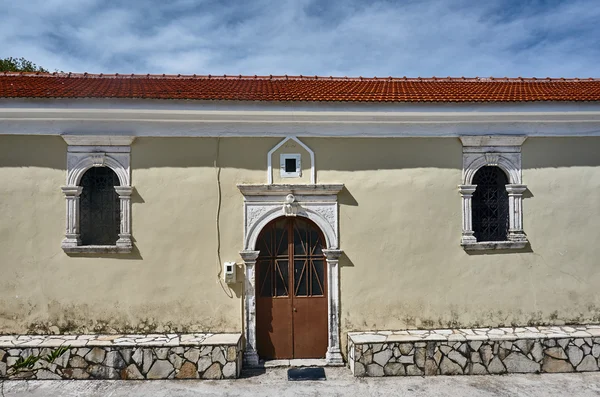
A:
(193, 356)
(475, 352)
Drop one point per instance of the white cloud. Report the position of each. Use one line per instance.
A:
(420, 38)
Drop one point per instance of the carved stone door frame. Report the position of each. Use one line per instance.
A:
(262, 204)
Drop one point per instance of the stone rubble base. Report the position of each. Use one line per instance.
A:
(154, 356)
(477, 351)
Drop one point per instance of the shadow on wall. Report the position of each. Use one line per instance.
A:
(343, 154)
(201, 152)
(346, 198)
(136, 198)
(351, 154)
(561, 152)
(33, 151)
(345, 261)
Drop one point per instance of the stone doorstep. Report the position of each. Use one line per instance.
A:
(297, 362)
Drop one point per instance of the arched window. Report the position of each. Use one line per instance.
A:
(98, 194)
(100, 215)
(492, 193)
(490, 205)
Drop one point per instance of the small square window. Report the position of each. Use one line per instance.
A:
(290, 165)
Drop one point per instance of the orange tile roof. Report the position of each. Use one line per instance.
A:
(296, 88)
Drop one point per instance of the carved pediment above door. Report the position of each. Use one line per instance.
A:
(263, 203)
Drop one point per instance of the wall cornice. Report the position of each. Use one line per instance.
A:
(294, 116)
(332, 121)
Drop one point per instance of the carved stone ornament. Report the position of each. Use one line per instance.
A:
(264, 203)
(492, 158)
(98, 159)
(81, 158)
(327, 212)
(290, 207)
(256, 212)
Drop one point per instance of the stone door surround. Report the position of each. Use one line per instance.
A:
(264, 203)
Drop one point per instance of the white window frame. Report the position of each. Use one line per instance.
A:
(503, 152)
(83, 153)
(270, 167)
(293, 156)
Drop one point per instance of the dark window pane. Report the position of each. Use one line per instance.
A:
(301, 277)
(490, 205)
(300, 238)
(316, 247)
(281, 277)
(317, 277)
(265, 281)
(264, 243)
(290, 165)
(281, 241)
(99, 207)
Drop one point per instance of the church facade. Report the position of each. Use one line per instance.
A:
(293, 211)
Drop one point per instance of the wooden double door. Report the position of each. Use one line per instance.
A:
(291, 290)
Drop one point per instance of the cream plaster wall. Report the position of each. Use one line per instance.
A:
(399, 228)
(170, 282)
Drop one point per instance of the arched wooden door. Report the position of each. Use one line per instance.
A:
(291, 290)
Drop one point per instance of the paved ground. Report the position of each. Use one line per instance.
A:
(274, 382)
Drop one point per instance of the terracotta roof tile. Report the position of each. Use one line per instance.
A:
(297, 88)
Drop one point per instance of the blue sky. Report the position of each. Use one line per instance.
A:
(341, 38)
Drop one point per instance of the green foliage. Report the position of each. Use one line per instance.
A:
(54, 354)
(11, 64)
(27, 363)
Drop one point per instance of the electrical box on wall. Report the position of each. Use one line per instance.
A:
(230, 272)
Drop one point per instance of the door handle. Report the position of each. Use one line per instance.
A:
(295, 310)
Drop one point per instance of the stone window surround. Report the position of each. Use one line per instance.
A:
(280, 144)
(503, 152)
(264, 203)
(283, 157)
(83, 153)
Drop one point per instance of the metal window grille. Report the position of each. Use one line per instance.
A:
(100, 215)
(291, 253)
(490, 205)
